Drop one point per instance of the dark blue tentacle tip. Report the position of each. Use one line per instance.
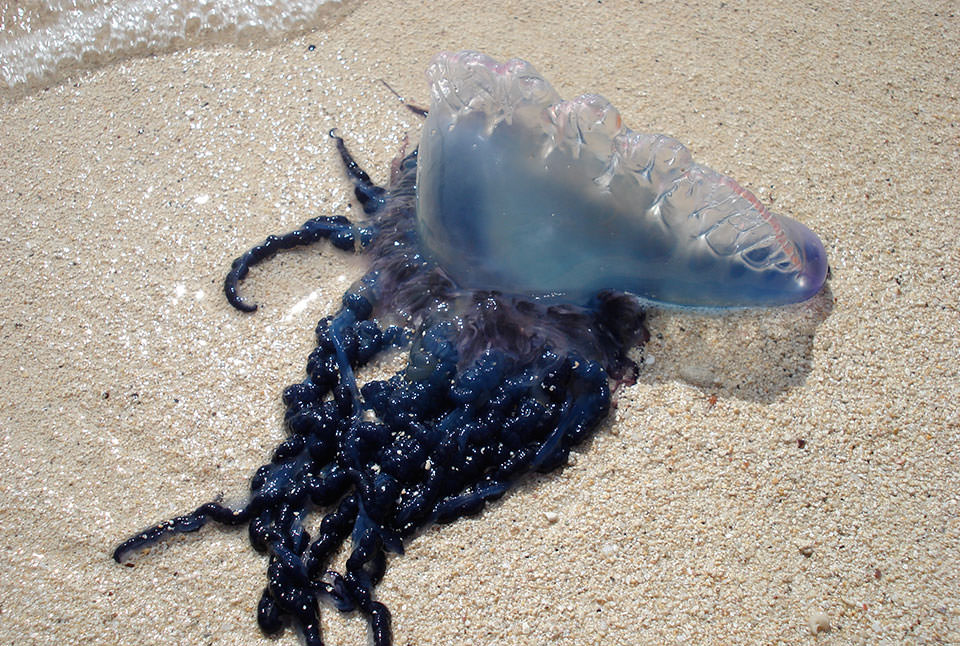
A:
(238, 271)
(236, 301)
(119, 553)
(268, 614)
(380, 624)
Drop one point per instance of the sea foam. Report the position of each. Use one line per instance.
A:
(44, 41)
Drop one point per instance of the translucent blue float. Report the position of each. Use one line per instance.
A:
(521, 192)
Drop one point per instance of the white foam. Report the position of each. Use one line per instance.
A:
(43, 41)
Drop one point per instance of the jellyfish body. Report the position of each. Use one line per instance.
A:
(509, 360)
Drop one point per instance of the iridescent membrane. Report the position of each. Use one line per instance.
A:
(522, 192)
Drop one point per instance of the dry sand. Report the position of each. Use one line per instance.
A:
(820, 485)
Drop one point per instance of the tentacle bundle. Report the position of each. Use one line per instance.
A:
(494, 387)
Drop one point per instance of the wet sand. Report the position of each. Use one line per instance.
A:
(770, 474)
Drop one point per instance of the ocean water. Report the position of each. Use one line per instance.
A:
(44, 41)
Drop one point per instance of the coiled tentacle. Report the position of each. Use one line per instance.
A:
(341, 232)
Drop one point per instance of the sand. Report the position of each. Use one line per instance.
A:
(771, 475)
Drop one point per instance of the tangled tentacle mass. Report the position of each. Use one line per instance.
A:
(495, 386)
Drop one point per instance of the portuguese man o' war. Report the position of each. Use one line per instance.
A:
(511, 256)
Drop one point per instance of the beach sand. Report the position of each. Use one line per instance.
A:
(771, 474)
